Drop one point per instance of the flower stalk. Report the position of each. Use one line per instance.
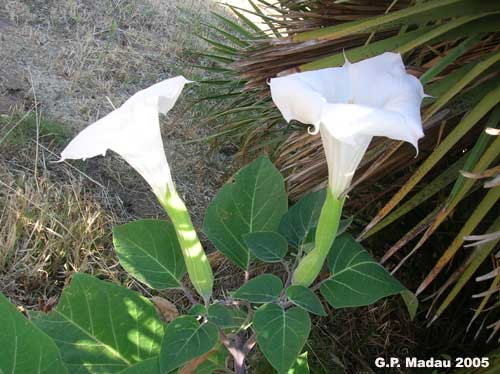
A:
(310, 265)
(197, 265)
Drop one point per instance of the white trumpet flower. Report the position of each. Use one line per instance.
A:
(349, 105)
(133, 131)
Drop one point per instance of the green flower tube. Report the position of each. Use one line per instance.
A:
(198, 267)
(328, 224)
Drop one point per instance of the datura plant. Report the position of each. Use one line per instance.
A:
(348, 105)
(102, 327)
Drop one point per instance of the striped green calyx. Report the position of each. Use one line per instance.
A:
(198, 267)
(310, 266)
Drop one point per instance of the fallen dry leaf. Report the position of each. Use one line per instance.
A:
(165, 308)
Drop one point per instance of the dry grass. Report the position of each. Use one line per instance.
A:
(75, 53)
(53, 220)
(59, 62)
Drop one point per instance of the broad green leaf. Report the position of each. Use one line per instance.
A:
(149, 251)
(220, 316)
(363, 52)
(281, 334)
(267, 246)
(101, 327)
(149, 366)
(300, 222)
(185, 338)
(25, 348)
(411, 302)
(215, 363)
(356, 279)
(225, 317)
(302, 218)
(261, 289)
(300, 366)
(255, 201)
(197, 310)
(306, 299)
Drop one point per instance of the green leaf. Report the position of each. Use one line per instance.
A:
(488, 102)
(197, 310)
(411, 302)
(101, 327)
(226, 318)
(300, 366)
(25, 348)
(221, 316)
(184, 340)
(149, 251)
(306, 299)
(261, 289)
(431, 188)
(233, 25)
(422, 12)
(356, 278)
(267, 246)
(449, 58)
(149, 366)
(215, 363)
(302, 218)
(255, 201)
(281, 334)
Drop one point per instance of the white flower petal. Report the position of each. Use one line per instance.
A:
(348, 122)
(303, 96)
(342, 159)
(350, 105)
(133, 131)
(495, 182)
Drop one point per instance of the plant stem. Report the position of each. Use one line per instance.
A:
(238, 351)
(310, 265)
(198, 267)
(188, 295)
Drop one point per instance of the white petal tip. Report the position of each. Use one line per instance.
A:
(492, 131)
(346, 60)
(313, 130)
(415, 145)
